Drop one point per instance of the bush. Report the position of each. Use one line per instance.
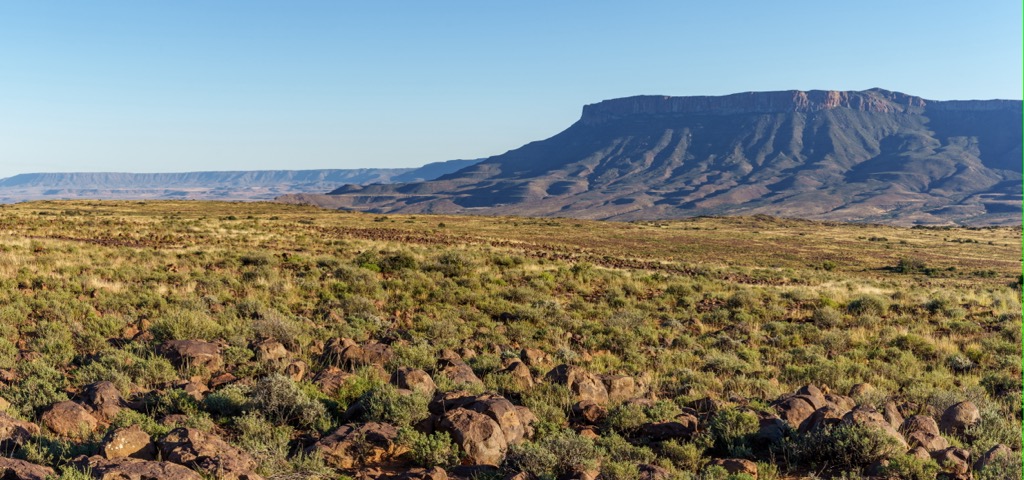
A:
(386, 404)
(434, 450)
(868, 305)
(844, 447)
(909, 467)
(281, 400)
(229, 401)
(731, 431)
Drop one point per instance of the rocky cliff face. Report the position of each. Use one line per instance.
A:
(875, 156)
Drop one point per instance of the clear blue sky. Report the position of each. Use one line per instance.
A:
(230, 84)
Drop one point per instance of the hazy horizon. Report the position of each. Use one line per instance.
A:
(192, 86)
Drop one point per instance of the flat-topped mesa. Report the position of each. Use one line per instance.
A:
(874, 100)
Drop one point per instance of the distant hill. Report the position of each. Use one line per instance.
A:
(871, 156)
(237, 185)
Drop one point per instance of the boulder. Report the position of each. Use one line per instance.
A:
(589, 412)
(461, 375)
(795, 410)
(69, 419)
(14, 469)
(771, 430)
(436, 473)
(414, 379)
(956, 462)
(196, 353)
(736, 465)
(296, 370)
(103, 400)
(994, 453)
(892, 415)
(841, 402)
(513, 426)
(448, 358)
(355, 446)
(129, 442)
(861, 389)
(707, 406)
(823, 417)
(921, 430)
(653, 472)
(920, 453)
(135, 469)
(332, 350)
(683, 427)
(520, 374)
(15, 431)
(958, 417)
(207, 453)
(222, 379)
(621, 387)
(331, 379)
(814, 394)
(533, 357)
(196, 390)
(584, 384)
(479, 436)
(270, 351)
(868, 417)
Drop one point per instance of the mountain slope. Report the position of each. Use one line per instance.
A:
(236, 185)
(874, 156)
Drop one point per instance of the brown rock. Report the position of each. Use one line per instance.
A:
(520, 374)
(461, 375)
(533, 357)
(332, 350)
(867, 416)
(196, 353)
(208, 453)
(14, 469)
(436, 473)
(196, 390)
(620, 387)
(921, 430)
(814, 394)
(103, 400)
(270, 351)
(707, 405)
(955, 461)
(449, 358)
(823, 417)
(892, 415)
(296, 370)
(69, 419)
(841, 402)
(958, 417)
(920, 452)
(358, 446)
(683, 427)
(331, 379)
(222, 379)
(861, 389)
(653, 472)
(479, 436)
(795, 410)
(736, 465)
(771, 429)
(994, 453)
(584, 384)
(589, 432)
(129, 442)
(414, 379)
(506, 415)
(15, 431)
(368, 354)
(135, 469)
(589, 412)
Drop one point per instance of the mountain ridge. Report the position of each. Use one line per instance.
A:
(871, 156)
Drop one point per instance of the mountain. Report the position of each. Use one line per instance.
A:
(237, 185)
(870, 156)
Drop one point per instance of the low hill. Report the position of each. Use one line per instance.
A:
(871, 156)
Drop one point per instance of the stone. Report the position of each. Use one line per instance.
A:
(221, 380)
(892, 415)
(129, 442)
(436, 473)
(135, 469)
(814, 394)
(448, 358)
(414, 379)
(479, 436)
(296, 370)
(513, 426)
(795, 410)
(921, 430)
(861, 389)
(823, 417)
(533, 357)
(958, 417)
(194, 353)
(620, 387)
(15, 469)
(736, 465)
(331, 379)
(196, 390)
(207, 453)
(955, 461)
(358, 446)
(520, 374)
(589, 412)
(771, 430)
(993, 454)
(653, 472)
(841, 402)
(103, 400)
(16, 431)
(584, 384)
(867, 416)
(461, 375)
(270, 351)
(683, 427)
(69, 419)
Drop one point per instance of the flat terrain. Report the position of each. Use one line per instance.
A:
(720, 320)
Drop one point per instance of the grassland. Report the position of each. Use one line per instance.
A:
(741, 311)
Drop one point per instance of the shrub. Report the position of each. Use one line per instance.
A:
(688, 456)
(909, 467)
(731, 430)
(265, 441)
(386, 404)
(434, 450)
(868, 305)
(844, 447)
(229, 401)
(281, 400)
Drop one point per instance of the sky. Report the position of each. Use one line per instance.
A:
(193, 85)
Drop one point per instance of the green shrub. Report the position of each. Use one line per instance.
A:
(844, 447)
(868, 305)
(731, 431)
(909, 467)
(229, 401)
(282, 401)
(268, 443)
(688, 456)
(386, 404)
(434, 450)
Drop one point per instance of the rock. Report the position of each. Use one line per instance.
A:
(736, 465)
(920, 453)
(414, 379)
(296, 370)
(992, 455)
(222, 379)
(195, 353)
(708, 406)
(921, 430)
(892, 415)
(958, 417)
(861, 389)
(814, 394)
(135, 469)
(620, 387)
(823, 417)
(445, 401)
(520, 374)
(506, 415)
(270, 351)
(436, 473)
(584, 384)
(533, 357)
(15, 431)
(129, 442)
(683, 427)
(357, 446)
(479, 436)
(795, 410)
(868, 417)
(69, 419)
(589, 412)
(841, 402)
(461, 375)
(332, 350)
(449, 358)
(369, 354)
(207, 453)
(771, 430)
(13, 469)
(955, 461)
(653, 472)
(331, 379)
(103, 400)
(196, 390)
(589, 432)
